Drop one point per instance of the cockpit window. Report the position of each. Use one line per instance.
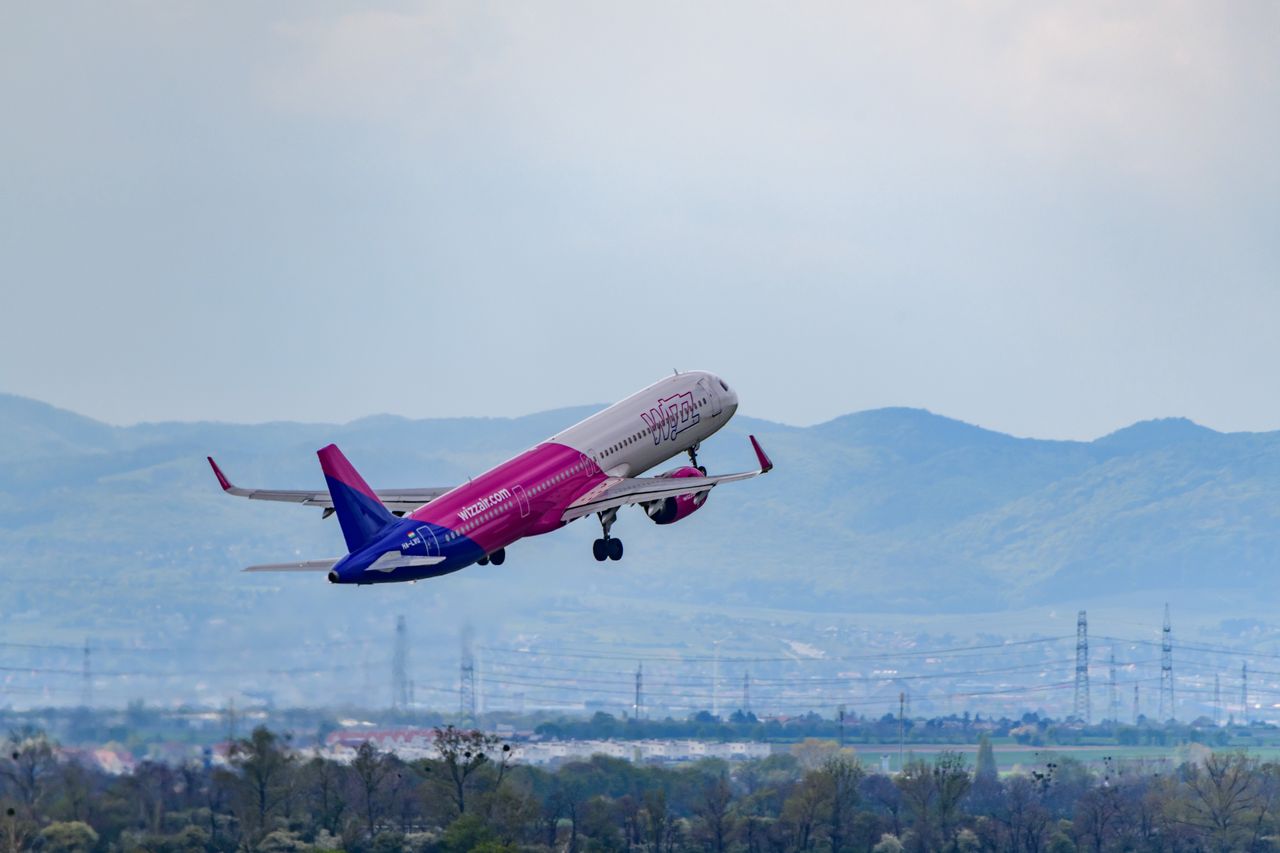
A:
(722, 385)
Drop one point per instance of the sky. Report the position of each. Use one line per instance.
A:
(1051, 219)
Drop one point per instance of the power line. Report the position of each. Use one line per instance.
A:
(86, 690)
(179, 673)
(1197, 647)
(793, 681)
(1244, 692)
(400, 668)
(1113, 698)
(621, 680)
(552, 653)
(1166, 667)
(638, 709)
(467, 679)
(1083, 706)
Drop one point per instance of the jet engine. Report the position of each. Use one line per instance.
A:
(671, 510)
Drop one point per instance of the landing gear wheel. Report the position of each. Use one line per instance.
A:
(483, 561)
(693, 458)
(615, 548)
(600, 549)
(498, 557)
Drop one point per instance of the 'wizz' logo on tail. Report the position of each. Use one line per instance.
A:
(672, 416)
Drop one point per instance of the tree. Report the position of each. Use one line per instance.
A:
(467, 833)
(192, 839)
(713, 809)
(920, 796)
(151, 786)
(933, 795)
(1096, 814)
(951, 776)
(15, 829)
(26, 765)
(511, 812)
(812, 752)
(1220, 795)
(325, 793)
(842, 776)
(371, 769)
(985, 770)
(885, 799)
(282, 841)
(264, 771)
(69, 837)
(802, 812)
(463, 752)
(887, 844)
(657, 819)
(75, 788)
(1022, 815)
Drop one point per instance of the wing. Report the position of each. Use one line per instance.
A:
(398, 501)
(389, 561)
(621, 491)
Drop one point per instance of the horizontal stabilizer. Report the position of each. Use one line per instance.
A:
(304, 566)
(393, 560)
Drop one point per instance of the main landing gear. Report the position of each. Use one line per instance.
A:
(498, 557)
(693, 458)
(607, 548)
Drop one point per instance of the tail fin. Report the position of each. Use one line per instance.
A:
(359, 511)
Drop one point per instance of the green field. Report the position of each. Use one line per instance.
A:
(1011, 757)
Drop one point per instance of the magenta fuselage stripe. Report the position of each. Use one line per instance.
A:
(524, 496)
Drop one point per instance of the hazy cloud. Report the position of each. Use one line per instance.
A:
(1047, 218)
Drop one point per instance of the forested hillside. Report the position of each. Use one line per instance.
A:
(121, 534)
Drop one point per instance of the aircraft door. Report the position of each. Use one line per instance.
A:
(428, 537)
(522, 499)
(712, 393)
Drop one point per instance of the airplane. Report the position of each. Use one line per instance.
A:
(411, 534)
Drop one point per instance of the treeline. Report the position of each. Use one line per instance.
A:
(1031, 729)
(141, 729)
(815, 797)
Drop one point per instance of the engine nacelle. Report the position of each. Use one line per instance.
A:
(671, 510)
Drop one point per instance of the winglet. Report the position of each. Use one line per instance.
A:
(766, 465)
(222, 478)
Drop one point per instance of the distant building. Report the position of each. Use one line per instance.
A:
(116, 762)
(659, 751)
(411, 744)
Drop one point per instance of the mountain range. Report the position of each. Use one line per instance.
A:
(121, 532)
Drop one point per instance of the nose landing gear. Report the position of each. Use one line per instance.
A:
(607, 548)
(693, 458)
